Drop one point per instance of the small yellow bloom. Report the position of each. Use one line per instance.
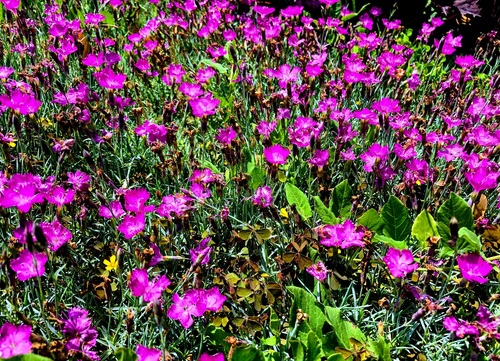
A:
(112, 264)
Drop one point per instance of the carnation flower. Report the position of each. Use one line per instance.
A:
(108, 79)
(276, 154)
(263, 197)
(400, 262)
(150, 290)
(183, 309)
(147, 354)
(205, 105)
(81, 335)
(318, 271)
(29, 265)
(14, 340)
(474, 268)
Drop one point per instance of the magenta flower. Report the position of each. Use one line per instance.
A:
(135, 200)
(214, 299)
(59, 196)
(29, 265)
(108, 79)
(266, 128)
(342, 235)
(375, 155)
(205, 105)
(482, 178)
(183, 309)
(286, 74)
(386, 105)
(5, 72)
(174, 205)
(320, 158)
(226, 136)
(113, 210)
(276, 154)
(81, 335)
(14, 340)
(292, 11)
(21, 102)
(263, 197)
(191, 90)
(94, 19)
(201, 254)
(175, 72)
(460, 327)
(56, 234)
(207, 357)
(150, 290)
(22, 197)
(79, 180)
(154, 132)
(147, 354)
(132, 225)
(400, 262)
(474, 268)
(11, 5)
(318, 271)
(157, 256)
(94, 60)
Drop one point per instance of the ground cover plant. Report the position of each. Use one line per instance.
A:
(193, 181)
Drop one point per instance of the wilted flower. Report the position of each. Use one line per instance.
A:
(263, 197)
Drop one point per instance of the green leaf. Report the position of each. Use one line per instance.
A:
(381, 348)
(313, 349)
(325, 214)
(471, 238)
(271, 341)
(109, 19)
(219, 67)
(424, 227)
(390, 242)
(209, 165)
(27, 357)
(353, 15)
(341, 199)
(336, 357)
(217, 337)
(454, 207)
(274, 323)
(371, 220)
(247, 353)
(344, 330)
(307, 303)
(125, 354)
(397, 222)
(297, 350)
(295, 196)
(258, 177)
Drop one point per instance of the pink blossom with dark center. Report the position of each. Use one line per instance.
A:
(368, 115)
(400, 262)
(29, 265)
(263, 197)
(216, 357)
(266, 128)
(149, 290)
(226, 136)
(80, 333)
(79, 180)
(276, 154)
(374, 156)
(155, 132)
(108, 79)
(386, 105)
(318, 271)
(14, 340)
(183, 309)
(56, 234)
(59, 196)
(132, 225)
(147, 354)
(176, 205)
(320, 158)
(204, 106)
(474, 268)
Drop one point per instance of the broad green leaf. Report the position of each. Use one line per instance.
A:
(454, 207)
(307, 303)
(336, 357)
(271, 341)
(462, 246)
(210, 165)
(109, 19)
(390, 242)
(219, 67)
(471, 238)
(295, 196)
(371, 220)
(297, 350)
(424, 227)
(27, 357)
(397, 222)
(217, 337)
(125, 354)
(247, 353)
(353, 15)
(344, 330)
(258, 176)
(325, 214)
(274, 323)
(313, 349)
(341, 199)
(381, 349)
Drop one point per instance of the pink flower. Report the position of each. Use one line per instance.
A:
(206, 357)
(14, 340)
(400, 262)
(22, 197)
(292, 11)
(266, 128)
(214, 299)
(201, 254)
(135, 200)
(226, 136)
(318, 271)
(132, 225)
(174, 205)
(150, 290)
(276, 154)
(5, 72)
(29, 265)
(374, 156)
(56, 234)
(320, 158)
(108, 79)
(154, 132)
(482, 178)
(386, 105)
(21, 102)
(59, 196)
(460, 327)
(11, 5)
(342, 235)
(183, 309)
(80, 333)
(94, 19)
(79, 180)
(147, 354)
(474, 268)
(203, 106)
(263, 197)
(113, 210)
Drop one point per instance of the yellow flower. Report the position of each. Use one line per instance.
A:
(112, 264)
